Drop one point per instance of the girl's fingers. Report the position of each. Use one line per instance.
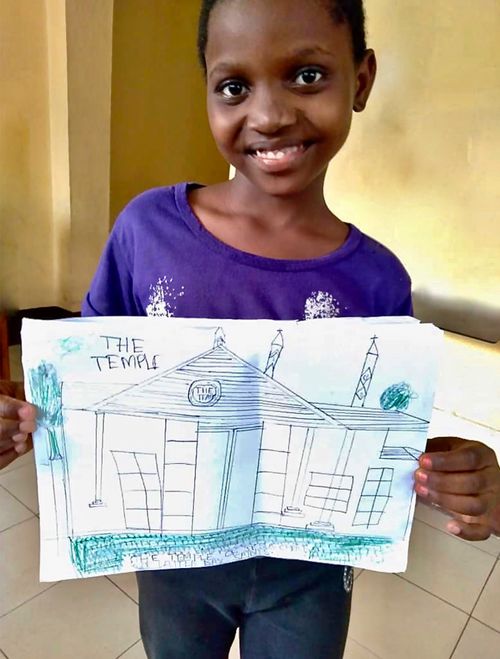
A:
(19, 442)
(467, 482)
(469, 456)
(27, 413)
(13, 408)
(443, 444)
(9, 407)
(21, 447)
(475, 506)
(8, 428)
(6, 445)
(17, 422)
(469, 531)
(27, 427)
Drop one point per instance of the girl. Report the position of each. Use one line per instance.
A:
(283, 78)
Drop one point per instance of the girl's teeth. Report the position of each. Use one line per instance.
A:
(277, 155)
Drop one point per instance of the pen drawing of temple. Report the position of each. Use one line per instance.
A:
(216, 444)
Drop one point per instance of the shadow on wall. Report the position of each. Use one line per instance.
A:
(458, 315)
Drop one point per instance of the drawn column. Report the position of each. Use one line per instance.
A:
(99, 455)
(179, 476)
(345, 452)
(295, 508)
(271, 473)
(66, 486)
(333, 489)
(226, 478)
(339, 477)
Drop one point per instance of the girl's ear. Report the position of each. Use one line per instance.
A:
(365, 78)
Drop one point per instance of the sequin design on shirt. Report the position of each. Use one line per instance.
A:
(321, 305)
(163, 297)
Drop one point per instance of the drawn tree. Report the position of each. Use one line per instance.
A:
(46, 395)
(397, 397)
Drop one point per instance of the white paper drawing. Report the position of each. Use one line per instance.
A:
(167, 443)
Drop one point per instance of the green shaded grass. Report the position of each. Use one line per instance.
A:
(107, 552)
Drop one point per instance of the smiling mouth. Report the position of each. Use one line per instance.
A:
(279, 158)
(279, 154)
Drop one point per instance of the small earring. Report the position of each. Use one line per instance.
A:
(358, 107)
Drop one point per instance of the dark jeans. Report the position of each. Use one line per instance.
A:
(284, 609)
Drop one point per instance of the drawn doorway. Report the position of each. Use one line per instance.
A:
(232, 459)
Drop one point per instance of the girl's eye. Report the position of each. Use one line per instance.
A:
(232, 89)
(308, 77)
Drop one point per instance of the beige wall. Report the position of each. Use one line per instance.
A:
(26, 232)
(59, 140)
(421, 169)
(159, 130)
(89, 27)
(98, 101)
(55, 90)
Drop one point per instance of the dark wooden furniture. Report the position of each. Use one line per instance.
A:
(10, 329)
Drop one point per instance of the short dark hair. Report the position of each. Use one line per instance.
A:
(343, 11)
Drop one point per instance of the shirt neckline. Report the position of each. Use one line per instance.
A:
(181, 192)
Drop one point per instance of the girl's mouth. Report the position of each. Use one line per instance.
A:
(277, 160)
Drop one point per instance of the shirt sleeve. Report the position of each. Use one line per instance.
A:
(111, 291)
(401, 303)
(406, 307)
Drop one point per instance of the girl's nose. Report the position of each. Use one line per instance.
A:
(270, 111)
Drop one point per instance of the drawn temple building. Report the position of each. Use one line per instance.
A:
(268, 455)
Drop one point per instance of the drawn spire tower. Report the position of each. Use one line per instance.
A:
(366, 377)
(219, 338)
(274, 354)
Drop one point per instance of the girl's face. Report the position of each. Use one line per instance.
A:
(281, 88)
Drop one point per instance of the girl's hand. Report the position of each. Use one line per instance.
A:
(17, 422)
(462, 478)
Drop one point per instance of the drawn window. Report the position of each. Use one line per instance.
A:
(140, 488)
(330, 492)
(374, 497)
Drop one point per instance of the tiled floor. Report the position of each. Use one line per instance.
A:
(446, 605)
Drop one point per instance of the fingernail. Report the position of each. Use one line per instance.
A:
(454, 528)
(423, 491)
(422, 476)
(426, 463)
(27, 426)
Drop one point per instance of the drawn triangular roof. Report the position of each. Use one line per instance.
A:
(247, 396)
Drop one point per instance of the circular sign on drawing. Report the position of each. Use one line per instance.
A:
(204, 393)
